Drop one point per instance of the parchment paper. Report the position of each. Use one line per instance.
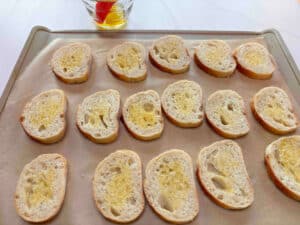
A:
(271, 206)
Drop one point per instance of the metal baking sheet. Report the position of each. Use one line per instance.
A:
(32, 75)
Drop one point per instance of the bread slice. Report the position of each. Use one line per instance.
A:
(41, 188)
(170, 188)
(43, 118)
(142, 115)
(222, 174)
(182, 103)
(97, 116)
(72, 63)
(118, 187)
(254, 61)
(225, 111)
(127, 61)
(282, 159)
(215, 58)
(272, 107)
(169, 54)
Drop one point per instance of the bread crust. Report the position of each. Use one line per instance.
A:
(101, 140)
(60, 134)
(126, 77)
(136, 135)
(265, 124)
(148, 194)
(278, 182)
(224, 133)
(56, 212)
(169, 69)
(211, 71)
(135, 155)
(76, 79)
(250, 73)
(212, 197)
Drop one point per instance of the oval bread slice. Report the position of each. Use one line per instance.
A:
(127, 61)
(222, 174)
(43, 118)
(97, 116)
(41, 188)
(254, 61)
(225, 111)
(169, 54)
(71, 63)
(215, 58)
(170, 188)
(142, 115)
(272, 107)
(282, 159)
(117, 187)
(182, 103)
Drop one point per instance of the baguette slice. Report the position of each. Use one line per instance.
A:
(71, 63)
(282, 159)
(43, 118)
(254, 61)
(272, 107)
(170, 188)
(127, 61)
(182, 103)
(225, 111)
(41, 188)
(215, 58)
(223, 176)
(97, 116)
(142, 115)
(169, 54)
(118, 188)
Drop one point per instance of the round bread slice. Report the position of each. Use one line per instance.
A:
(43, 118)
(282, 159)
(272, 107)
(97, 116)
(225, 111)
(118, 187)
(223, 176)
(142, 115)
(170, 188)
(41, 188)
(127, 61)
(254, 61)
(169, 54)
(215, 58)
(71, 63)
(182, 103)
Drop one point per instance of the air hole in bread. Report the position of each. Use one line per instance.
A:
(65, 69)
(132, 201)
(156, 50)
(220, 197)
(148, 107)
(98, 135)
(174, 56)
(114, 211)
(130, 162)
(230, 107)
(86, 118)
(223, 120)
(211, 168)
(219, 183)
(243, 192)
(42, 127)
(115, 170)
(61, 115)
(102, 121)
(17, 196)
(164, 203)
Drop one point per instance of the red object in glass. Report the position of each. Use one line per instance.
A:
(102, 9)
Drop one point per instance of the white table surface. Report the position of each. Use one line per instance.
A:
(17, 17)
